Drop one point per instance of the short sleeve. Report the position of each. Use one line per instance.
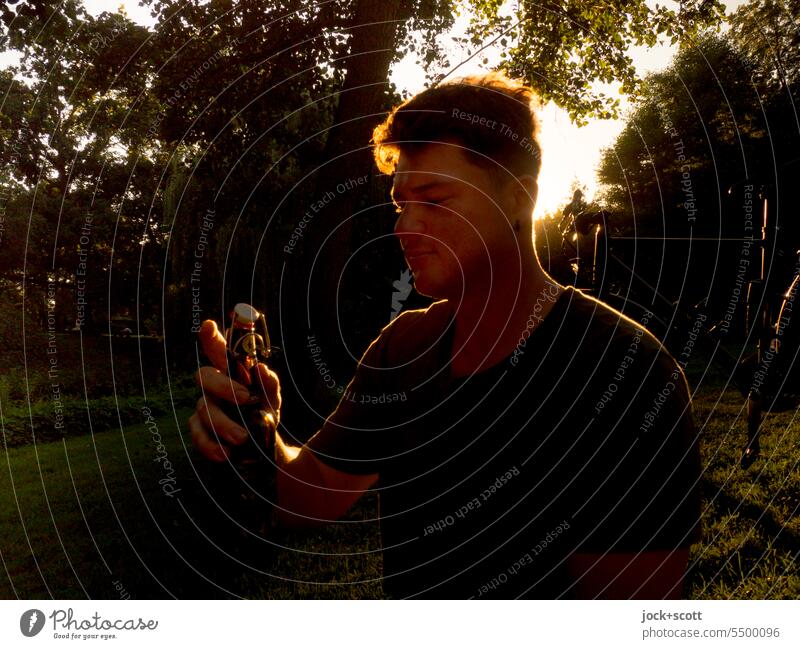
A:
(353, 439)
(646, 470)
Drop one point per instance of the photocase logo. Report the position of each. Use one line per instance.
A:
(31, 622)
(402, 291)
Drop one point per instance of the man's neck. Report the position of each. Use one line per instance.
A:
(491, 323)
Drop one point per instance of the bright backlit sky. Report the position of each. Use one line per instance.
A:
(569, 152)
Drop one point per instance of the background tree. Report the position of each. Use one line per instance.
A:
(198, 147)
(564, 47)
(66, 159)
(699, 116)
(766, 31)
(715, 121)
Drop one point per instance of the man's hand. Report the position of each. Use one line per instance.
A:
(213, 432)
(310, 493)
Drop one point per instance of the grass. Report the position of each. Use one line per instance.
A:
(86, 517)
(751, 540)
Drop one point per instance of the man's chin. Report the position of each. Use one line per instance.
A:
(429, 287)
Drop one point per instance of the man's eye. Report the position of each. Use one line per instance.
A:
(435, 202)
(430, 202)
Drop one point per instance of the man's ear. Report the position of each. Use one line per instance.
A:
(525, 190)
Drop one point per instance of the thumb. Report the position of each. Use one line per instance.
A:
(270, 387)
(213, 344)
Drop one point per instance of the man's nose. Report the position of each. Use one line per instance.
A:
(410, 220)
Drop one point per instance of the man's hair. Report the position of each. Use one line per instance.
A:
(490, 115)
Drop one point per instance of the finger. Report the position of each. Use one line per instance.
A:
(270, 387)
(209, 448)
(213, 344)
(216, 384)
(271, 422)
(218, 424)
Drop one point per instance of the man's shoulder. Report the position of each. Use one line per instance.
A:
(615, 344)
(604, 323)
(415, 332)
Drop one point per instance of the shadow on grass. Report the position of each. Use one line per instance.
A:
(751, 539)
(90, 517)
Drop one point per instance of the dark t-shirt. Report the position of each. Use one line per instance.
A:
(580, 441)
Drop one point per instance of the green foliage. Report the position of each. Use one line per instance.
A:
(722, 101)
(67, 180)
(766, 32)
(719, 119)
(62, 417)
(231, 106)
(564, 47)
(698, 117)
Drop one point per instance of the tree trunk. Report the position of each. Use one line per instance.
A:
(345, 168)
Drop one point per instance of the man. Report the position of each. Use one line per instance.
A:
(525, 439)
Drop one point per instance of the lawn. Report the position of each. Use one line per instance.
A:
(751, 539)
(88, 517)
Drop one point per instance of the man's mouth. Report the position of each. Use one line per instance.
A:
(412, 255)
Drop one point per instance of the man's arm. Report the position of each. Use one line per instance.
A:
(649, 499)
(310, 493)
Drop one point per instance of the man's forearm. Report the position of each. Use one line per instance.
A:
(284, 453)
(302, 499)
(311, 493)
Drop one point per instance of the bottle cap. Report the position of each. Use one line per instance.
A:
(245, 315)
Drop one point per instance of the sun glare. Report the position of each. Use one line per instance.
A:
(569, 153)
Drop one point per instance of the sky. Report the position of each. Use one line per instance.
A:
(569, 153)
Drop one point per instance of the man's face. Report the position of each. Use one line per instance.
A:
(456, 221)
